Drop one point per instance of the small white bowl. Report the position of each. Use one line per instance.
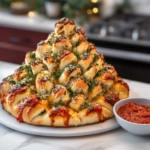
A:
(135, 128)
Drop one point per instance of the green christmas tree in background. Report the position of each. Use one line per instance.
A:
(81, 10)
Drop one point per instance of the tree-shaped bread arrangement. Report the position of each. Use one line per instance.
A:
(65, 82)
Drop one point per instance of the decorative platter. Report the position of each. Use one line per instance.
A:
(105, 126)
(11, 122)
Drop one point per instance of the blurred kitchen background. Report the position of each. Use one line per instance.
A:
(120, 30)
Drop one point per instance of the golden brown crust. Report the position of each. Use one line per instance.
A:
(70, 71)
(77, 37)
(44, 82)
(86, 61)
(93, 114)
(65, 82)
(14, 97)
(43, 48)
(50, 62)
(121, 88)
(81, 47)
(29, 57)
(66, 58)
(77, 102)
(58, 94)
(79, 85)
(37, 66)
(65, 27)
(61, 44)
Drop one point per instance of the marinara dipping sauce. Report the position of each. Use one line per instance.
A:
(135, 113)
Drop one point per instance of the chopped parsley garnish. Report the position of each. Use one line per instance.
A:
(56, 57)
(11, 80)
(29, 70)
(60, 103)
(90, 66)
(86, 105)
(49, 42)
(104, 91)
(28, 80)
(76, 54)
(58, 73)
(91, 85)
(32, 55)
(72, 67)
(43, 97)
(101, 71)
(71, 93)
(42, 112)
(21, 68)
(96, 57)
(77, 43)
(45, 67)
(38, 60)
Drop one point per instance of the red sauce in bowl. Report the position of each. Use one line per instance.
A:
(135, 113)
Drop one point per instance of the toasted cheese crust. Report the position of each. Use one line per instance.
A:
(64, 82)
(65, 27)
(61, 44)
(70, 71)
(43, 48)
(66, 59)
(44, 82)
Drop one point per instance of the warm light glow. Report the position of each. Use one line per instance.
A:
(95, 10)
(31, 14)
(89, 11)
(94, 1)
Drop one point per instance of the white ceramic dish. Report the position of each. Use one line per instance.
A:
(108, 125)
(11, 122)
(135, 128)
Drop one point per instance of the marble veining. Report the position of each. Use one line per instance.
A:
(112, 140)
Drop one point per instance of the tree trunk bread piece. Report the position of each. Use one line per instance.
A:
(64, 82)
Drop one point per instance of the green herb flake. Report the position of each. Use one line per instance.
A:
(43, 97)
(104, 91)
(77, 43)
(86, 105)
(96, 57)
(12, 82)
(44, 67)
(60, 103)
(32, 55)
(21, 68)
(71, 93)
(58, 73)
(42, 112)
(91, 85)
(49, 42)
(56, 58)
(76, 54)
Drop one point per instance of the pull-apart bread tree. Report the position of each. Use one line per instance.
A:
(65, 82)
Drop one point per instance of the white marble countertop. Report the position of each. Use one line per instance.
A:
(37, 23)
(112, 140)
